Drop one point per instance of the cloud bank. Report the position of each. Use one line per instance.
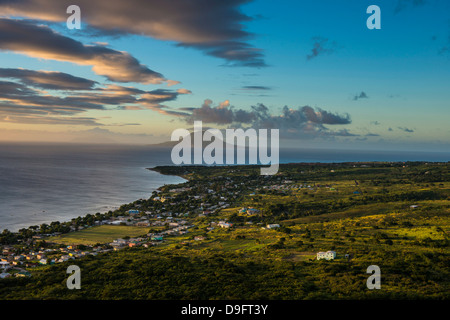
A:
(44, 97)
(213, 27)
(301, 122)
(41, 42)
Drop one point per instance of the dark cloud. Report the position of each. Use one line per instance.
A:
(256, 88)
(304, 121)
(42, 42)
(50, 120)
(48, 79)
(214, 27)
(406, 129)
(362, 95)
(321, 46)
(221, 114)
(322, 116)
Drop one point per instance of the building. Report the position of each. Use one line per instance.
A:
(251, 211)
(225, 224)
(272, 226)
(329, 255)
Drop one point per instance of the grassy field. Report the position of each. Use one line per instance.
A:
(99, 234)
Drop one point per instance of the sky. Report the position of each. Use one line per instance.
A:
(138, 70)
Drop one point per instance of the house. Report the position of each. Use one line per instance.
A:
(252, 211)
(199, 238)
(133, 211)
(225, 224)
(414, 206)
(272, 226)
(23, 274)
(329, 255)
(120, 241)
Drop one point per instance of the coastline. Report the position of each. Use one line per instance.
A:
(235, 214)
(112, 208)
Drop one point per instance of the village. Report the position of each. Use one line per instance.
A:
(172, 210)
(17, 259)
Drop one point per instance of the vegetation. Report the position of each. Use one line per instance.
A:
(99, 234)
(393, 215)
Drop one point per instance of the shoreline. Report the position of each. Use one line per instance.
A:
(167, 170)
(112, 208)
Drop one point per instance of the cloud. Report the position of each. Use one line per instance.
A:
(24, 101)
(184, 91)
(301, 122)
(403, 4)
(321, 46)
(221, 114)
(42, 42)
(362, 95)
(406, 129)
(445, 49)
(256, 88)
(47, 79)
(214, 27)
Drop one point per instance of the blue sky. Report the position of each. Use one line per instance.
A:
(361, 88)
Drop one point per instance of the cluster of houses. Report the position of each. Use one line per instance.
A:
(287, 185)
(14, 262)
(177, 228)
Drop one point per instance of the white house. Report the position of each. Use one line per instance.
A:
(329, 255)
(272, 226)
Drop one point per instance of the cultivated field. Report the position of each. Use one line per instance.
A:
(99, 234)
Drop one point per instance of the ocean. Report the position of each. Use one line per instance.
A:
(41, 183)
